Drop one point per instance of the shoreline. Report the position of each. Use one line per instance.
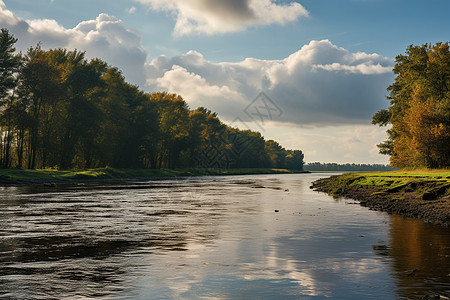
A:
(51, 177)
(421, 196)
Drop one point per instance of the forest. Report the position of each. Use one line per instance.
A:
(59, 110)
(317, 166)
(419, 112)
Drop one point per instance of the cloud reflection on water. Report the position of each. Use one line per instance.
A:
(146, 240)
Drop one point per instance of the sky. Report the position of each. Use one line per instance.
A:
(307, 73)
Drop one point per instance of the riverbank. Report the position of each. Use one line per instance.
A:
(10, 177)
(416, 194)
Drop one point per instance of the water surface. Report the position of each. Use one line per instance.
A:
(236, 237)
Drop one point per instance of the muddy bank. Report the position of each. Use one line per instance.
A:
(425, 198)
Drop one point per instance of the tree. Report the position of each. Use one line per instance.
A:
(9, 67)
(276, 154)
(129, 128)
(82, 80)
(60, 110)
(173, 128)
(245, 148)
(145, 137)
(207, 144)
(294, 160)
(40, 88)
(9, 64)
(419, 110)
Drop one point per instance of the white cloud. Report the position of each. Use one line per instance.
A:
(6, 16)
(321, 84)
(218, 16)
(195, 87)
(106, 37)
(364, 68)
(131, 10)
(317, 86)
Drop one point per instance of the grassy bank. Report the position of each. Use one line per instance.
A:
(423, 194)
(18, 176)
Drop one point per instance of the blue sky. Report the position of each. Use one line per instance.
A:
(385, 27)
(326, 63)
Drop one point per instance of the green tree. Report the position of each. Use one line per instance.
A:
(9, 67)
(294, 160)
(82, 80)
(129, 126)
(145, 137)
(60, 110)
(206, 133)
(173, 132)
(249, 149)
(9, 64)
(276, 154)
(40, 89)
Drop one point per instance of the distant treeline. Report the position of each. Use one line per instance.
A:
(317, 166)
(59, 110)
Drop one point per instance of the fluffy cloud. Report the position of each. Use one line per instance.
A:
(218, 16)
(105, 37)
(197, 89)
(321, 84)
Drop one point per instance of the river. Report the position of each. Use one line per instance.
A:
(234, 237)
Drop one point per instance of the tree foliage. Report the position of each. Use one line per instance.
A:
(60, 110)
(419, 109)
(9, 68)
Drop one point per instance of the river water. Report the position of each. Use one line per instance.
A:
(236, 237)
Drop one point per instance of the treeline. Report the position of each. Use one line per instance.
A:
(59, 110)
(317, 166)
(419, 110)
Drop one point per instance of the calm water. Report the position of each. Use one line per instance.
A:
(240, 237)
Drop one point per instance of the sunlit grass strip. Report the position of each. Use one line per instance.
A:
(394, 178)
(112, 173)
(425, 184)
(405, 174)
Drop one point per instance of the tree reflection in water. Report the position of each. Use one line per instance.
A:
(212, 237)
(421, 258)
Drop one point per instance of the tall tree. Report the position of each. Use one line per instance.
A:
(419, 109)
(294, 160)
(276, 154)
(206, 144)
(9, 67)
(60, 110)
(81, 82)
(9, 64)
(248, 148)
(173, 126)
(145, 125)
(40, 87)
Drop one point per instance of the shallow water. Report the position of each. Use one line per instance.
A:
(237, 237)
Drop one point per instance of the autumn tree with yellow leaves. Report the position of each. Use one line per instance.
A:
(419, 110)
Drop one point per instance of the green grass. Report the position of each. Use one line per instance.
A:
(422, 173)
(111, 173)
(397, 178)
(426, 183)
